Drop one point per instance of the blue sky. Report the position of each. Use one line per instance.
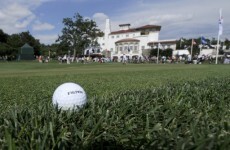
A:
(178, 18)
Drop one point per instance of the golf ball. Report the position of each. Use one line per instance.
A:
(69, 96)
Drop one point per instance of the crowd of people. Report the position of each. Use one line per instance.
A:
(186, 59)
(83, 59)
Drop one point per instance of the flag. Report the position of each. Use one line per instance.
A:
(187, 47)
(160, 46)
(220, 25)
(181, 40)
(203, 40)
(193, 42)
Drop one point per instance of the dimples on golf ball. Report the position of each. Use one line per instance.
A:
(69, 96)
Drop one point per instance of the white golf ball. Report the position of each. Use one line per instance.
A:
(69, 96)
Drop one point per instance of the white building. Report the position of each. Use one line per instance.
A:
(134, 42)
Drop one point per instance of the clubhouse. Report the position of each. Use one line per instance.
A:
(133, 42)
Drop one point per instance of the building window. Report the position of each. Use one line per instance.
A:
(130, 47)
(111, 49)
(121, 48)
(103, 43)
(127, 35)
(144, 32)
(117, 36)
(112, 37)
(135, 48)
(142, 47)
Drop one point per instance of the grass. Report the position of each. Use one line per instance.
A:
(133, 106)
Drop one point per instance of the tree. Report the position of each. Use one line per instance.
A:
(18, 40)
(62, 48)
(167, 52)
(7, 50)
(3, 49)
(3, 36)
(213, 41)
(26, 37)
(9, 44)
(51, 50)
(227, 43)
(195, 49)
(14, 41)
(79, 33)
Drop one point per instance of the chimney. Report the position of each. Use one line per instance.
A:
(124, 26)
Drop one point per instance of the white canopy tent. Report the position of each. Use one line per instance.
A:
(181, 52)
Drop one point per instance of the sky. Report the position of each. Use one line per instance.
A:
(177, 18)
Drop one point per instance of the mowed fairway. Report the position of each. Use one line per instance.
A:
(133, 106)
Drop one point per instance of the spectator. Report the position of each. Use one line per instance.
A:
(124, 59)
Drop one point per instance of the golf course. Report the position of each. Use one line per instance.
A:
(132, 106)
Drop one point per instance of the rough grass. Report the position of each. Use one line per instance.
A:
(137, 106)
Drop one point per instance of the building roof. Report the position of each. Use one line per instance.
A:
(149, 27)
(127, 40)
(158, 28)
(122, 31)
(227, 51)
